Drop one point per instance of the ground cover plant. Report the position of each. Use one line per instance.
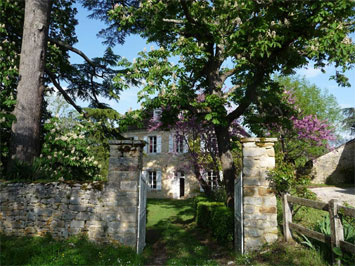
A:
(73, 251)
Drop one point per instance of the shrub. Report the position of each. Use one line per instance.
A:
(222, 223)
(216, 217)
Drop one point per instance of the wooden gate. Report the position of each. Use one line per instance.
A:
(238, 214)
(142, 213)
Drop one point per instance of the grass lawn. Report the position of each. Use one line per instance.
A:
(74, 251)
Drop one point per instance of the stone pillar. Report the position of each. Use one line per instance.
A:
(259, 202)
(125, 166)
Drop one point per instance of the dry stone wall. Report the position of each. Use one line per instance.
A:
(259, 202)
(337, 166)
(105, 212)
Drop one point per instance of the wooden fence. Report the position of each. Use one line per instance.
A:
(336, 238)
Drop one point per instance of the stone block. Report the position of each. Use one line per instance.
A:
(271, 210)
(270, 152)
(252, 232)
(267, 162)
(269, 201)
(252, 243)
(250, 209)
(252, 201)
(255, 181)
(128, 217)
(253, 152)
(129, 185)
(77, 224)
(265, 191)
(270, 238)
(249, 191)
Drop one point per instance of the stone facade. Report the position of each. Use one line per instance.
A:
(336, 167)
(105, 212)
(259, 202)
(166, 163)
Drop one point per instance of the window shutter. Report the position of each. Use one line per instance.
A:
(145, 138)
(171, 143)
(201, 189)
(220, 175)
(203, 145)
(186, 147)
(158, 180)
(145, 176)
(158, 144)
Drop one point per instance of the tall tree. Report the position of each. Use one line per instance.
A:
(244, 42)
(86, 81)
(26, 130)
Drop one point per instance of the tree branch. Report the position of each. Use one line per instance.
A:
(74, 50)
(176, 21)
(62, 91)
(250, 96)
(227, 94)
(227, 74)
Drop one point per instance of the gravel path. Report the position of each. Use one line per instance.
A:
(342, 194)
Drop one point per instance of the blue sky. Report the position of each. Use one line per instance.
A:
(92, 46)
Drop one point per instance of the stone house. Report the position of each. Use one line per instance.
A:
(167, 164)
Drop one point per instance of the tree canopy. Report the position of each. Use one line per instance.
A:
(204, 45)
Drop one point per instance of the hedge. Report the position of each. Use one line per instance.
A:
(216, 217)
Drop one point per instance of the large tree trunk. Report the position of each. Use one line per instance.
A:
(25, 139)
(228, 167)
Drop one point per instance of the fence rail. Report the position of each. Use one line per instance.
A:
(336, 238)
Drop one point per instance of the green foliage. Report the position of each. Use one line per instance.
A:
(69, 152)
(349, 120)
(222, 224)
(215, 217)
(73, 251)
(282, 178)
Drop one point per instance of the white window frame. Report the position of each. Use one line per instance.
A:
(212, 179)
(152, 179)
(152, 144)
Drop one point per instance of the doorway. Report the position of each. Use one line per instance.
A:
(182, 187)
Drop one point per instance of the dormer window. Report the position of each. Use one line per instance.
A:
(157, 114)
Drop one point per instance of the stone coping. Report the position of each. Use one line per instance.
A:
(244, 140)
(127, 142)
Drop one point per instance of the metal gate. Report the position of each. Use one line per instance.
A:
(142, 213)
(238, 214)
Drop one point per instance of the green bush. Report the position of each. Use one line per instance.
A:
(216, 217)
(222, 223)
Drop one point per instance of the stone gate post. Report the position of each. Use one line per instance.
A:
(259, 202)
(125, 165)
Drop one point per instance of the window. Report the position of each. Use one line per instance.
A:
(157, 113)
(209, 144)
(152, 144)
(152, 179)
(179, 144)
(212, 179)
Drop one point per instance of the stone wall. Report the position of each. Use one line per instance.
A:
(336, 167)
(259, 203)
(105, 212)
